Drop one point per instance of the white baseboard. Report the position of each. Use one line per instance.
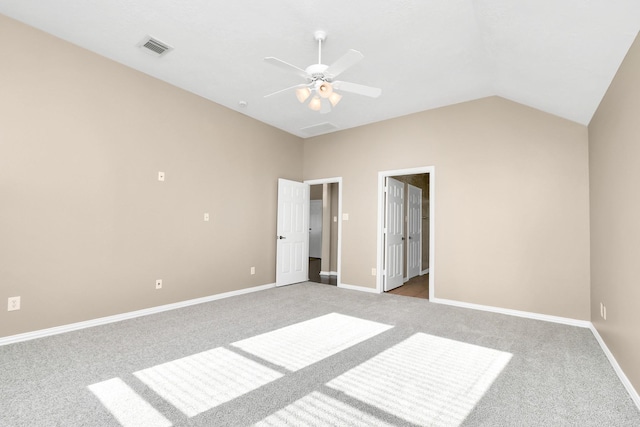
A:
(614, 363)
(328, 273)
(358, 288)
(518, 313)
(423, 272)
(124, 316)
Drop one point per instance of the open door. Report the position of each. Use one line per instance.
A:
(292, 247)
(394, 234)
(414, 232)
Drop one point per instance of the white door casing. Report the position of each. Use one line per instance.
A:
(414, 231)
(315, 228)
(394, 234)
(292, 247)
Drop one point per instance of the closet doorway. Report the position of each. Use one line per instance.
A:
(405, 232)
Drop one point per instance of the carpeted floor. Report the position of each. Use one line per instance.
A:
(312, 354)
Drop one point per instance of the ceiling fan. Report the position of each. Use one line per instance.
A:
(319, 92)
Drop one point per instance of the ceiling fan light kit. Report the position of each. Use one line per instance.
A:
(319, 90)
(302, 93)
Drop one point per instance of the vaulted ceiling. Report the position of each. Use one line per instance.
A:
(558, 56)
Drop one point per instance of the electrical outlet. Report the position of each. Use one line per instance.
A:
(373, 272)
(345, 217)
(604, 312)
(253, 270)
(160, 176)
(206, 217)
(159, 284)
(13, 303)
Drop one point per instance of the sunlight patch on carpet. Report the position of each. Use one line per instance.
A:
(426, 380)
(319, 410)
(200, 382)
(126, 405)
(302, 344)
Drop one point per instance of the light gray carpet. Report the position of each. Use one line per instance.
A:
(549, 374)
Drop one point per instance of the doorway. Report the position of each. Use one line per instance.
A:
(405, 266)
(325, 230)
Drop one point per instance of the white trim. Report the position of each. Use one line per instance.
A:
(358, 288)
(517, 313)
(334, 180)
(328, 273)
(614, 363)
(423, 272)
(432, 227)
(11, 339)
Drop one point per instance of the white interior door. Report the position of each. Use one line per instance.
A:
(394, 234)
(292, 248)
(414, 231)
(315, 229)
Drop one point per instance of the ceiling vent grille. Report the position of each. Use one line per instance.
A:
(154, 46)
(319, 128)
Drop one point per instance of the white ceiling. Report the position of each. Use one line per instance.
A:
(558, 56)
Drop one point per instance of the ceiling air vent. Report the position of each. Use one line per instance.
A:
(154, 47)
(319, 128)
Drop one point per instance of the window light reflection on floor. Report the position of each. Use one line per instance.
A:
(126, 405)
(319, 410)
(426, 380)
(302, 344)
(200, 382)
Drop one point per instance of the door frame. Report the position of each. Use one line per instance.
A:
(334, 180)
(382, 175)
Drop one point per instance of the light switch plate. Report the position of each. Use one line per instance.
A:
(13, 303)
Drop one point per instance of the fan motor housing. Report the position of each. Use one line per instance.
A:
(316, 72)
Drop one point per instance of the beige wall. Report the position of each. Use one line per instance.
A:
(511, 200)
(85, 227)
(614, 162)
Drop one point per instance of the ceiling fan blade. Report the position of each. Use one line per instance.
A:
(286, 89)
(373, 92)
(345, 61)
(286, 66)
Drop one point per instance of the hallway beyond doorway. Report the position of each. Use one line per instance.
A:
(314, 273)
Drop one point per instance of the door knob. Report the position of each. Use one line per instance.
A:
(281, 237)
